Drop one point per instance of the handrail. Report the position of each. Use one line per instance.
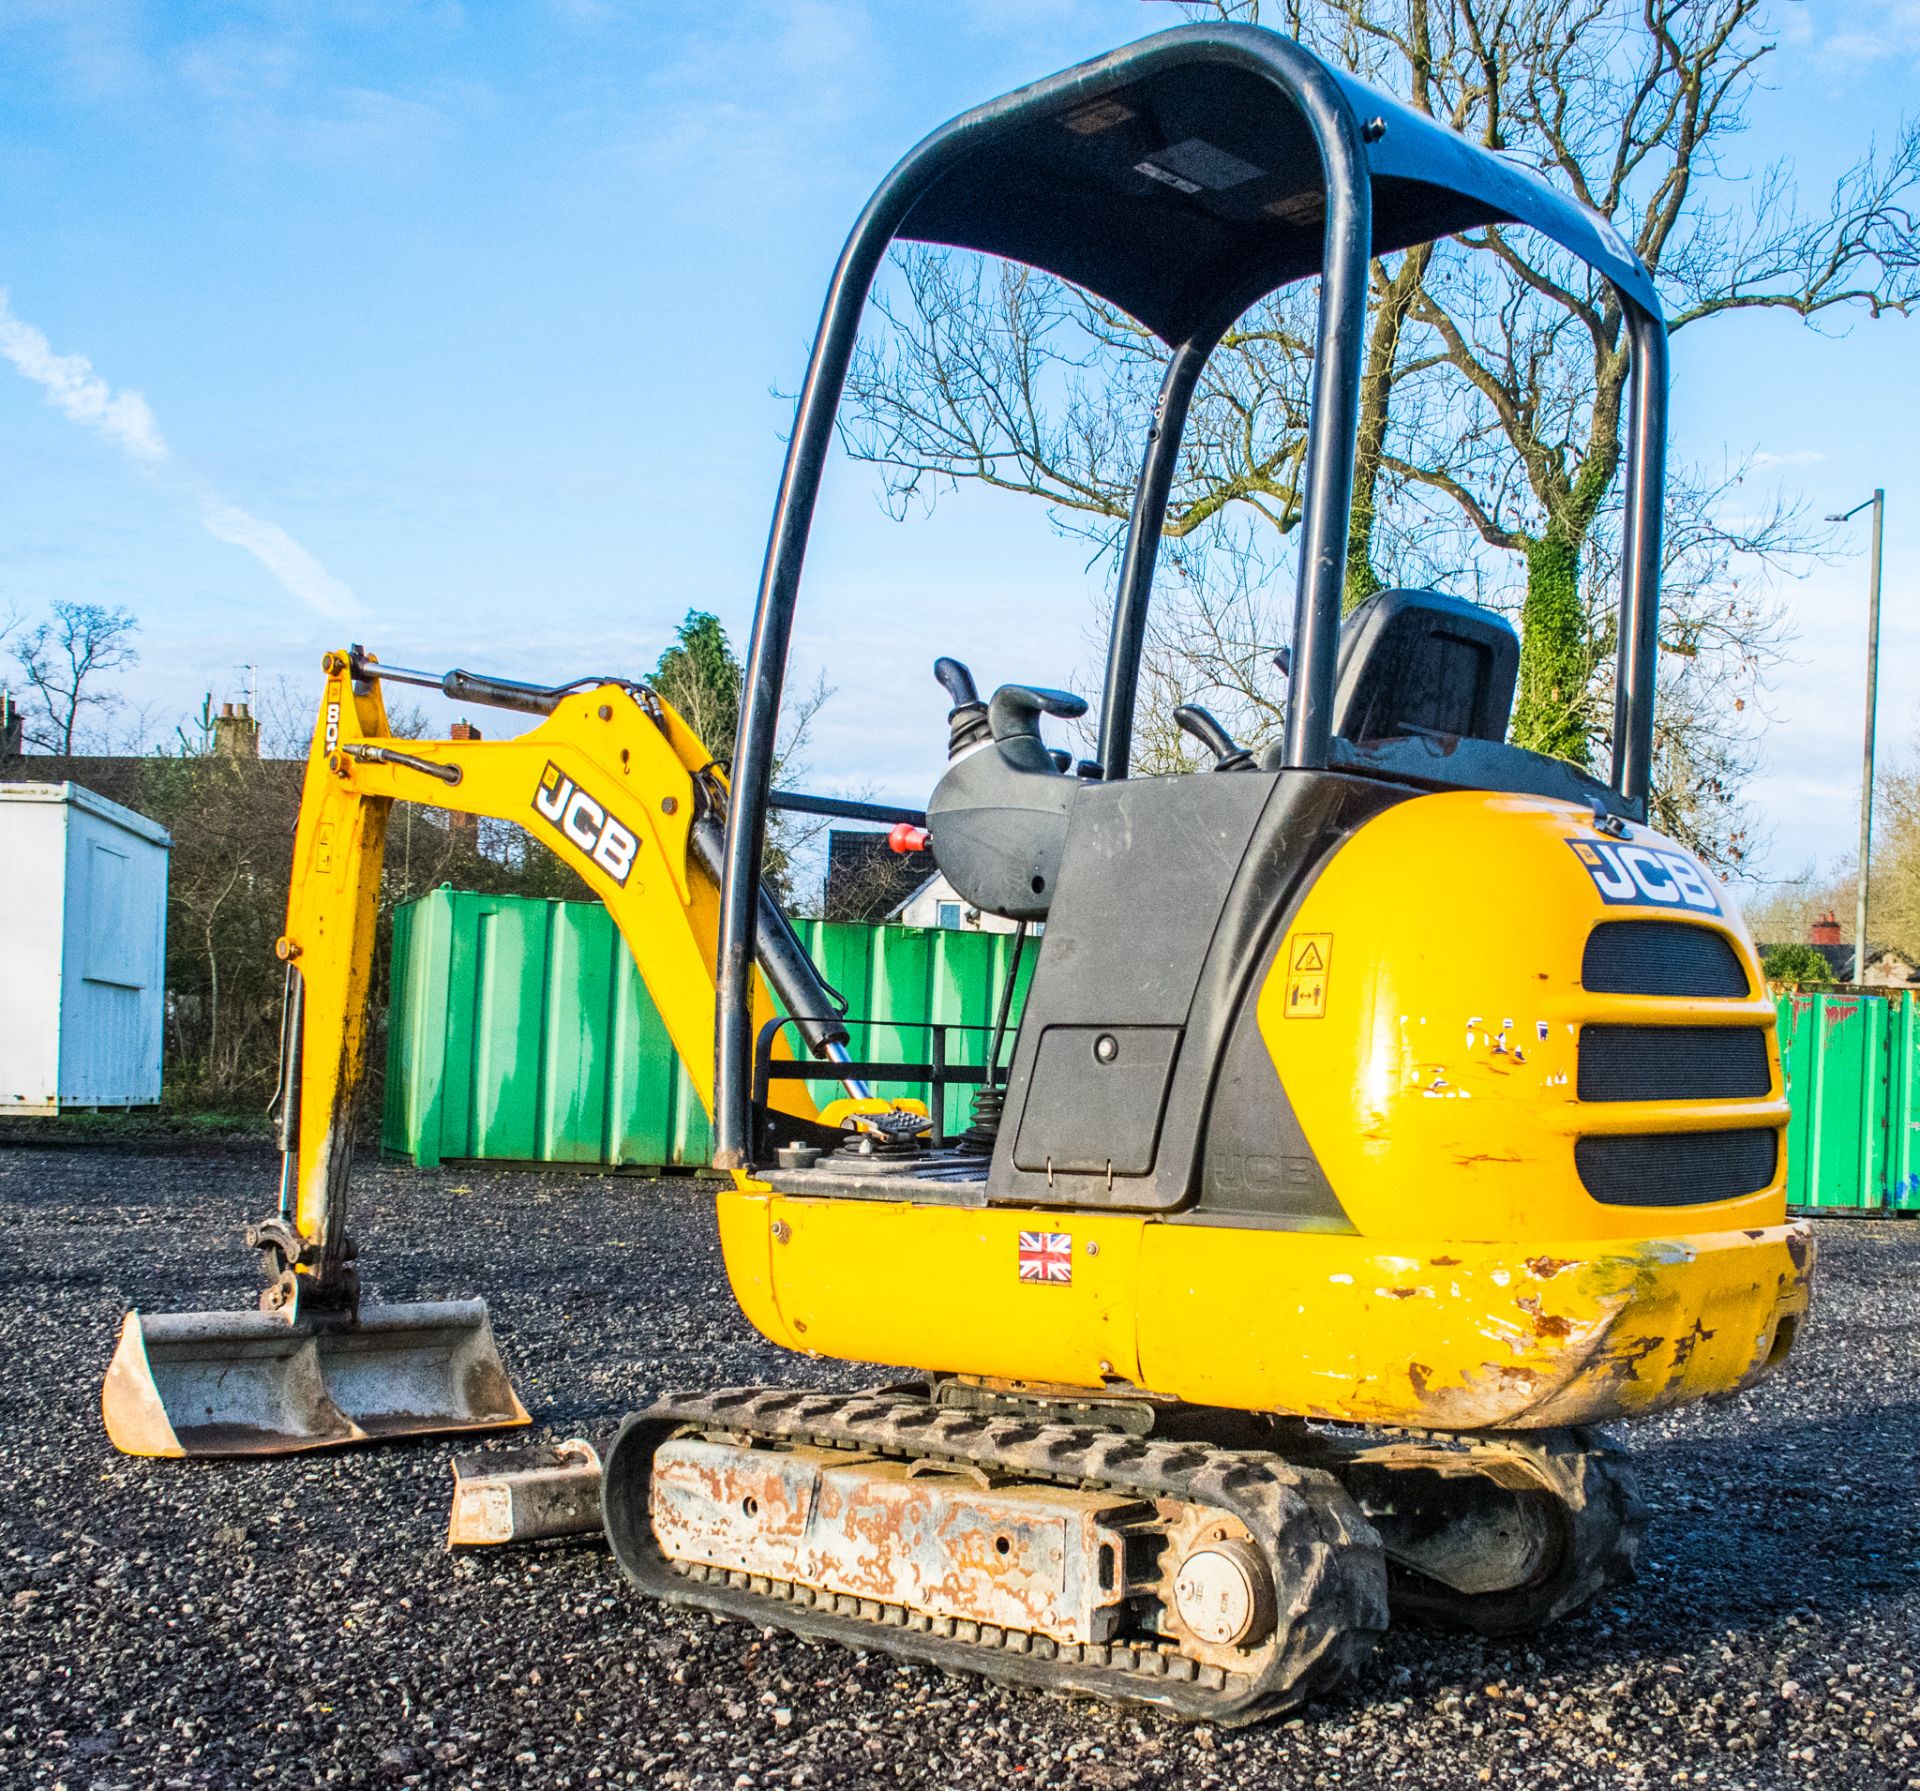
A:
(937, 1071)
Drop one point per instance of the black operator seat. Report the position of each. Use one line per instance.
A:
(1422, 663)
(1423, 692)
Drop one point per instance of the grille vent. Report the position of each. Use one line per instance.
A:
(1677, 1168)
(1673, 1063)
(1661, 957)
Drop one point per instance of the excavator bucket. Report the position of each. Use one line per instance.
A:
(254, 1383)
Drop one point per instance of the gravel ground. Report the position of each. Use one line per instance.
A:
(164, 1623)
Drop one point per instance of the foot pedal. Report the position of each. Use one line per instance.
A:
(525, 1495)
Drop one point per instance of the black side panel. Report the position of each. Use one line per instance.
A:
(1257, 1164)
(1169, 894)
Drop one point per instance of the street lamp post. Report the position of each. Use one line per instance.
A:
(1878, 502)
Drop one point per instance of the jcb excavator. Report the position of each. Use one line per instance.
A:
(1390, 1104)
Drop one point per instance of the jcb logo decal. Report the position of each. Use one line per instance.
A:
(1646, 876)
(586, 823)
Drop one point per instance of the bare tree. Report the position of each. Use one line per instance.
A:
(1492, 402)
(1893, 917)
(1633, 109)
(63, 660)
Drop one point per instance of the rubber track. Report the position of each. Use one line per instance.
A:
(1328, 1570)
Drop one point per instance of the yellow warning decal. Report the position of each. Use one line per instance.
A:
(1309, 961)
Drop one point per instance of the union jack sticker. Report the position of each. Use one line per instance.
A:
(1047, 1256)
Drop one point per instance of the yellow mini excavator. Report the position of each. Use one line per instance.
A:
(1390, 1104)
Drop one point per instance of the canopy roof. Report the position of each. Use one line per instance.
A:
(1178, 179)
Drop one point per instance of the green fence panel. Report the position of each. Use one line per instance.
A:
(477, 978)
(1829, 1046)
(898, 993)
(575, 1035)
(509, 983)
(1799, 1030)
(418, 1032)
(1901, 1179)
(1852, 1060)
(406, 1074)
(638, 1127)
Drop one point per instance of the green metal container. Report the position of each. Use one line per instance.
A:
(520, 1031)
(1852, 1060)
(477, 979)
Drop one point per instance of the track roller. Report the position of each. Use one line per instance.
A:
(1501, 1533)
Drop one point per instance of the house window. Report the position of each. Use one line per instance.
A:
(947, 914)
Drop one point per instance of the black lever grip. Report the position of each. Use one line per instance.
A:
(967, 719)
(1206, 727)
(1016, 709)
(956, 681)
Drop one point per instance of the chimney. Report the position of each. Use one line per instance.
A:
(1824, 931)
(464, 827)
(236, 735)
(11, 743)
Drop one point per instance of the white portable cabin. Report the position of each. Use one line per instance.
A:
(83, 949)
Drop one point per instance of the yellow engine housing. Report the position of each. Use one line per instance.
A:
(1423, 1009)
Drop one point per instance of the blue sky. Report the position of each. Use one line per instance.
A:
(459, 331)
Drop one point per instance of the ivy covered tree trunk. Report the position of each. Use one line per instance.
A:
(1549, 713)
(1362, 581)
(1395, 295)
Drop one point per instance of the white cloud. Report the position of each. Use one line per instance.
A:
(726, 111)
(79, 393)
(296, 569)
(1859, 35)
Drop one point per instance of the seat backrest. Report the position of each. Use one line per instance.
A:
(1421, 662)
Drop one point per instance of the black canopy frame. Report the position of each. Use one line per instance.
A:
(1184, 177)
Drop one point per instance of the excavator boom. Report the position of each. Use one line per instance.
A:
(623, 792)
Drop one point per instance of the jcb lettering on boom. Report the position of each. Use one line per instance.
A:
(586, 822)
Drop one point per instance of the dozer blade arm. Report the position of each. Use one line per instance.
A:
(623, 792)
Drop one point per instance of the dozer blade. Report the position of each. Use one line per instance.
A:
(253, 1383)
(525, 1495)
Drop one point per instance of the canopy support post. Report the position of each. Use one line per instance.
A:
(1637, 665)
(1134, 592)
(1333, 425)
